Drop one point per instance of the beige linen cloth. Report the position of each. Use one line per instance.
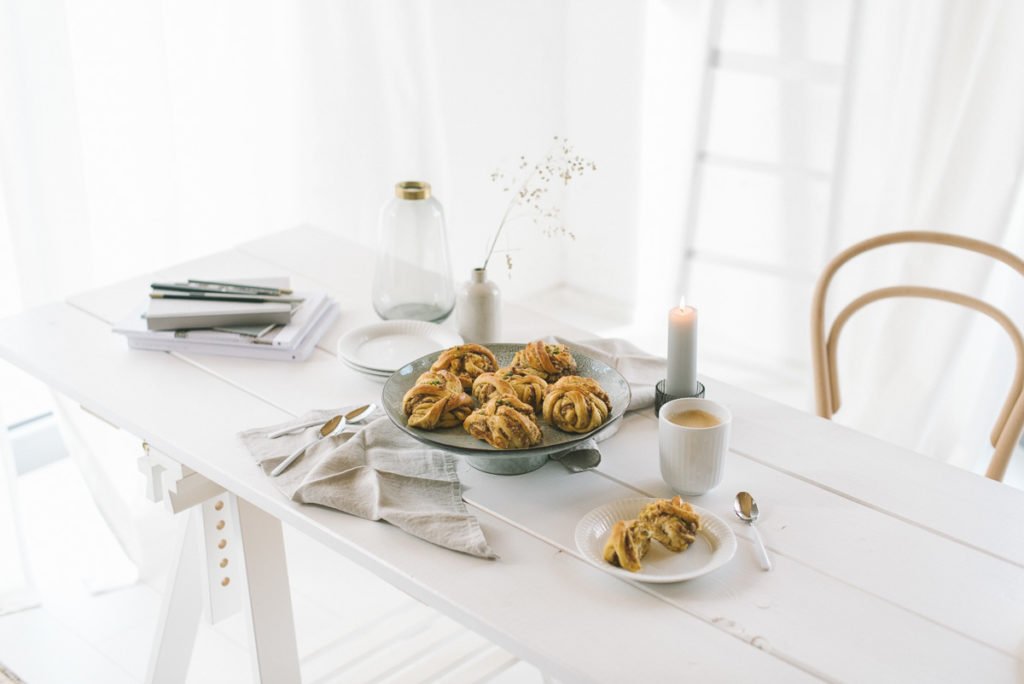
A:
(378, 473)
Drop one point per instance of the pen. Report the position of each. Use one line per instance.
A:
(239, 286)
(255, 336)
(181, 287)
(224, 297)
(190, 287)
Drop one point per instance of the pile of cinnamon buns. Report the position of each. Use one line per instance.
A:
(501, 405)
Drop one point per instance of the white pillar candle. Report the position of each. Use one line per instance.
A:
(681, 380)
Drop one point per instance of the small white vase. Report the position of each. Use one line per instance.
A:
(478, 309)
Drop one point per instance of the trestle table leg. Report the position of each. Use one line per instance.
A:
(266, 600)
(181, 608)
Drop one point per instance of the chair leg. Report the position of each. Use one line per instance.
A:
(1006, 445)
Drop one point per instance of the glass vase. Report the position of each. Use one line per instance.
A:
(413, 277)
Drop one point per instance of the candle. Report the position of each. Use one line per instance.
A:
(682, 351)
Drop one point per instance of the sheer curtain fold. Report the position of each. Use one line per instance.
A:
(46, 208)
(936, 142)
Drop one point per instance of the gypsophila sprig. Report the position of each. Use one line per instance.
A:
(530, 185)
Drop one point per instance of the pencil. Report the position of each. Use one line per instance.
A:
(240, 286)
(225, 297)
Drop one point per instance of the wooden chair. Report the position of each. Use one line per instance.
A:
(1010, 423)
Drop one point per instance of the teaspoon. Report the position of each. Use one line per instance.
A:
(357, 415)
(335, 423)
(353, 416)
(746, 510)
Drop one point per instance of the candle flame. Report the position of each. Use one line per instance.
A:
(682, 303)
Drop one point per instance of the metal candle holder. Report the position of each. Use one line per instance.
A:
(661, 397)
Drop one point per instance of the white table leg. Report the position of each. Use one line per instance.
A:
(267, 601)
(181, 608)
(16, 590)
(229, 550)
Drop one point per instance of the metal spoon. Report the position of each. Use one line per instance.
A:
(357, 415)
(746, 510)
(353, 416)
(337, 423)
(360, 414)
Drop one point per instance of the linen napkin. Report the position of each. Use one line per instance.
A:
(641, 370)
(377, 473)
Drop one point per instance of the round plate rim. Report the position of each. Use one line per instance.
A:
(451, 338)
(366, 372)
(363, 369)
(718, 560)
(486, 450)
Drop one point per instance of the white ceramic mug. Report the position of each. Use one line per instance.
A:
(693, 458)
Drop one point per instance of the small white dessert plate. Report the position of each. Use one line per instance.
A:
(387, 346)
(380, 375)
(715, 545)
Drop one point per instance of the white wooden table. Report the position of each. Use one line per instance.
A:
(888, 566)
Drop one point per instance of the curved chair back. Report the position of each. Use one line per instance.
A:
(1010, 423)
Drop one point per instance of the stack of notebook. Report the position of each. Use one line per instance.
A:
(261, 318)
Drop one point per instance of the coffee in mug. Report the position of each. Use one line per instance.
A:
(695, 418)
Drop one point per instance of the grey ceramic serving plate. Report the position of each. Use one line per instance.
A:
(483, 456)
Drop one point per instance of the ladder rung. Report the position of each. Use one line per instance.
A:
(728, 261)
(756, 166)
(783, 68)
(780, 367)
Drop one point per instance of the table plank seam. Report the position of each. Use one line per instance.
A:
(836, 578)
(792, 558)
(831, 490)
(877, 508)
(752, 641)
(848, 497)
(242, 388)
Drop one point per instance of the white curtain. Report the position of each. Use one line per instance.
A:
(936, 142)
(137, 134)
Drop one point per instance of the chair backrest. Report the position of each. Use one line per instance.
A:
(1010, 423)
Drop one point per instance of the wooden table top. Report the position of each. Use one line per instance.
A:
(888, 565)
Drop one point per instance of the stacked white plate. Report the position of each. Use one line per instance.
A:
(379, 349)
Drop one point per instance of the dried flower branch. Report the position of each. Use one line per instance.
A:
(530, 185)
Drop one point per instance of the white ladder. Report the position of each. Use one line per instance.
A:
(787, 68)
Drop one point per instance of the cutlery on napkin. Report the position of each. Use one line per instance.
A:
(378, 473)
